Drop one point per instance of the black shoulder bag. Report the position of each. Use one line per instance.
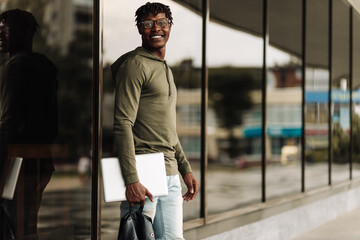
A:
(136, 226)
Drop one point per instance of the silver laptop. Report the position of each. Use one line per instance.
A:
(151, 172)
(12, 179)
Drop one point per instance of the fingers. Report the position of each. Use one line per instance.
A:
(142, 202)
(150, 196)
(189, 195)
(193, 188)
(136, 193)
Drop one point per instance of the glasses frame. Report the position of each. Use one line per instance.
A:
(156, 22)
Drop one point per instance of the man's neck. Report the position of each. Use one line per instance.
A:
(160, 53)
(25, 46)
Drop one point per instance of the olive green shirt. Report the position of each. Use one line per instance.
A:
(145, 113)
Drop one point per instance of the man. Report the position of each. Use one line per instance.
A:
(145, 122)
(28, 115)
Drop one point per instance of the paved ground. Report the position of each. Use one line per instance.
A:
(345, 227)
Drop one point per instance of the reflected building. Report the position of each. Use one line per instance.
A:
(64, 18)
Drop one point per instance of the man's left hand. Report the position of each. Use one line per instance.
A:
(192, 185)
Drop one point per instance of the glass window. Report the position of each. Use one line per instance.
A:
(356, 95)
(234, 105)
(340, 99)
(317, 94)
(283, 99)
(183, 55)
(66, 41)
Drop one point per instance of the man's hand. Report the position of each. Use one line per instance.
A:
(192, 185)
(136, 192)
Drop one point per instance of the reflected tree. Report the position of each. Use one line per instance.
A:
(356, 137)
(229, 94)
(340, 144)
(186, 75)
(229, 91)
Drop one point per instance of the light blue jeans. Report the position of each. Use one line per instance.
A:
(166, 212)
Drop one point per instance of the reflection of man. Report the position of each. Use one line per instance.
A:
(145, 121)
(28, 115)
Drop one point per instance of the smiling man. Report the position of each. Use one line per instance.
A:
(145, 122)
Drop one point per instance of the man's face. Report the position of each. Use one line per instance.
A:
(11, 39)
(4, 37)
(155, 37)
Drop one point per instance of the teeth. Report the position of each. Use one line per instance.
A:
(156, 37)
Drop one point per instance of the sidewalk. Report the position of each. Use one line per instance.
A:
(345, 227)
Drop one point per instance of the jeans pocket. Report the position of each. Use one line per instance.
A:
(174, 183)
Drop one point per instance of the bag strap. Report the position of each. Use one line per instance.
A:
(140, 210)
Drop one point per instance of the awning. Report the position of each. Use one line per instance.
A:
(285, 24)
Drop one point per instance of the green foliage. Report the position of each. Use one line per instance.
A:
(229, 92)
(340, 144)
(186, 75)
(356, 137)
(317, 155)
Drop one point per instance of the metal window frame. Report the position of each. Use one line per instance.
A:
(265, 29)
(204, 106)
(303, 71)
(351, 90)
(96, 134)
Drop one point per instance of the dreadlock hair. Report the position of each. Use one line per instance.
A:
(154, 8)
(23, 21)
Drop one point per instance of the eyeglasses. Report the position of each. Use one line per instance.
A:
(162, 22)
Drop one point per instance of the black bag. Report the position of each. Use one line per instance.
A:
(136, 226)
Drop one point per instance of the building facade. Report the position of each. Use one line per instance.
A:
(268, 111)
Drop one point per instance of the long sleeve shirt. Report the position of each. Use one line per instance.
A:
(28, 104)
(145, 113)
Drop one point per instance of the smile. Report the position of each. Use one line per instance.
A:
(156, 37)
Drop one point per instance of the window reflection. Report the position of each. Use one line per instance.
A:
(316, 94)
(234, 109)
(28, 118)
(66, 39)
(340, 112)
(283, 100)
(356, 96)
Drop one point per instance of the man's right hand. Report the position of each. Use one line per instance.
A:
(135, 194)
